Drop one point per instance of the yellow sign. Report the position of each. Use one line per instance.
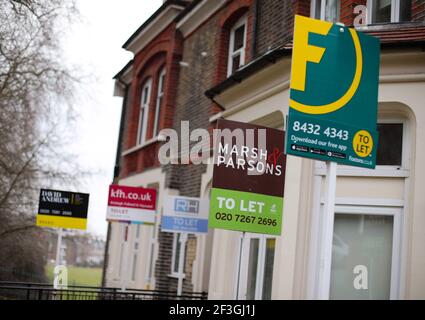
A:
(62, 209)
(61, 222)
(303, 52)
(363, 143)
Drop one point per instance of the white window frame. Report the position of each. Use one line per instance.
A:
(387, 210)
(322, 9)
(144, 112)
(135, 252)
(150, 269)
(242, 274)
(380, 170)
(397, 280)
(159, 96)
(241, 52)
(121, 250)
(395, 11)
(175, 273)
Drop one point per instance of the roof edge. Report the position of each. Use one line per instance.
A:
(164, 6)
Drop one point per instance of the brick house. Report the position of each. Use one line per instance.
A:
(231, 59)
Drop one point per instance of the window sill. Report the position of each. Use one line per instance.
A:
(389, 26)
(140, 146)
(177, 275)
(380, 171)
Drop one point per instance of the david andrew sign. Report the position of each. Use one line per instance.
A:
(248, 178)
(62, 209)
(131, 204)
(334, 94)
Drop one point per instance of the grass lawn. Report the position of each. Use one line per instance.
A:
(79, 276)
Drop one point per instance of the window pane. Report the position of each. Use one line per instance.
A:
(235, 63)
(331, 11)
(133, 272)
(161, 84)
(381, 11)
(177, 253)
(390, 144)
(361, 240)
(121, 259)
(142, 116)
(145, 95)
(317, 9)
(252, 269)
(239, 38)
(405, 10)
(268, 269)
(151, 261)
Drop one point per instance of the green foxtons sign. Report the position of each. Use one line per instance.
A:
(248, 178)
(334, 94)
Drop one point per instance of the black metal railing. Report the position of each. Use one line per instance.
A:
(40, 291)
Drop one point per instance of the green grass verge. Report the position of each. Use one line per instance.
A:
(78, 276)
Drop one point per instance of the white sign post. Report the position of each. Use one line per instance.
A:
(184, 215)
(183, 239)
(58, 248)
(124, 261)
(328, 226)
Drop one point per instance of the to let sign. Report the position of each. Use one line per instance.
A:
(334, 94)
(131, 204)
(185, 214)
(248, 178)
(62, 209)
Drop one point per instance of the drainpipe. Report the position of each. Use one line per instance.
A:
(254, 29)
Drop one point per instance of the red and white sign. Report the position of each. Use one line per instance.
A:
(131, 204)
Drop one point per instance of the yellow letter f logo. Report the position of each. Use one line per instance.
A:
(303, 52)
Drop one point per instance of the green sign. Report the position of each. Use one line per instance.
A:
(248, 178)
(334, 94)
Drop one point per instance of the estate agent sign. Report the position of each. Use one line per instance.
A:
(131, 204)
(334, 94)
(62, 209)
(184, 214)
(248, 179)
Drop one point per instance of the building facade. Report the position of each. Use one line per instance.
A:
(199, 61)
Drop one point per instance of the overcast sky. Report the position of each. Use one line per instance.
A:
(94, 45)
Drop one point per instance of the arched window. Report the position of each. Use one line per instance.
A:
(144, 110)
(237, 45)
(159, 99)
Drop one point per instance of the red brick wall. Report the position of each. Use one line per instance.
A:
(301, 7)
(347, 11)
(418, 10)
(163, 51)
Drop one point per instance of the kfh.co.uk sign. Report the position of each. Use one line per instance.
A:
(131, 204)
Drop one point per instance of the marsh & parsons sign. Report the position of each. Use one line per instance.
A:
(248, 180)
